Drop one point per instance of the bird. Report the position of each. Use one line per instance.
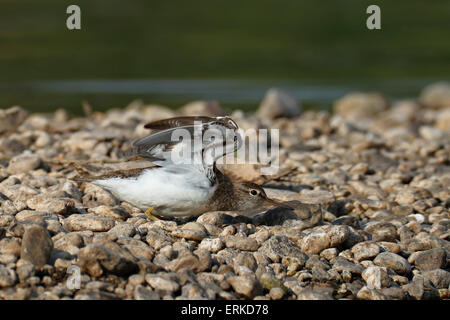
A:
(177, 174)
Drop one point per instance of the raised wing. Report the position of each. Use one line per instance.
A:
(196, 142)
(189, 121)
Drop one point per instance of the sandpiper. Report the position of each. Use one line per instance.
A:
(171, 185)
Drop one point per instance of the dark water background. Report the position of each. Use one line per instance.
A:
(172, 52)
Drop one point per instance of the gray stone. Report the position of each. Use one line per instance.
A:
(278, 247)
(371, 294)
(211, 244)
(245, 259)
(189, 234)
(204, 259)
(394, 293)
(308, 294)
(324, 237)
(382, 231)
(430, 259)
(157, 238)
(278, 103)
(365, 250)
(341, 264)
(415, 288)
(7, 277)
(436, 95)
(376, 277)
(241, 243)
(81, 222)
(359, 105)
(95, 259)
(185, 261)
(116, 212)
(24, 163)
(46, 204)
(193, 291)
(276, 293)
(246, 285)
(25, 271)
(12, 118)
(143, 293)
(123, 230)
(216, 218)
(7, 258)
(393, 261)
(158, 282)
(37, 245)
(10, 246)
(438, 278)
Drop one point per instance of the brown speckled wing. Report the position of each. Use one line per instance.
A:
(89, 171)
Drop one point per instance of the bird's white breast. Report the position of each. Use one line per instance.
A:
(176, 192)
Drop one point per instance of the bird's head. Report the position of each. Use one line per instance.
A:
(251, 199)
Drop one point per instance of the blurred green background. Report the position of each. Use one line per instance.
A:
(172, 52)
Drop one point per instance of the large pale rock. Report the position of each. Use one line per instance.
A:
(80, 222)
(358, 105)
(278, 103)
(24, 163)
(11, 118)
(203, 108)
(436, 95)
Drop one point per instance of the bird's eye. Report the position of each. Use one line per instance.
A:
(254, 192)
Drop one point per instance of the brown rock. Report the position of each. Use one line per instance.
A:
(37, 245)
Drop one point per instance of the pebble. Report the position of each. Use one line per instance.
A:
(437, 278)
(415, 288)
(308, 294)
(11, 118)
(7, 277)
(318, 240)
(56, 206)
(189, 234)
(158, 282)
(123, 230)
(278, 247)
(342, 264)
(430, 259)
(36, 246)
(278, 103)
(116, 213)
(358, 106)
(79, 222)
(382, 231)
(376, 277)
(24, 163)
(10, 246)
(393, 261)
(365, 250)
(144, 293)
(211, 244)
(246, 285)
(240, 243)
(276, 293)
(95, 259)
(157, 239)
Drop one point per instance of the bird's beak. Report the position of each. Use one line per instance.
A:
(277, 204)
